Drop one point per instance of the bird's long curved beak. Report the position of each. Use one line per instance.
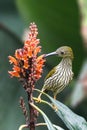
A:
(50, 54)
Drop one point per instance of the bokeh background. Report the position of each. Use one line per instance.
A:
(59, 23)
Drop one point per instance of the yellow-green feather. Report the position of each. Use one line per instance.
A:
(50, 73)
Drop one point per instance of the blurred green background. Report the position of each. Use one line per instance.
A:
(59, 23)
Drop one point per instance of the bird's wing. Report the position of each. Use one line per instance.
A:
(50, 73)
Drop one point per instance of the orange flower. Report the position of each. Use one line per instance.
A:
(27, 65)
(14, 73)
(12, 60)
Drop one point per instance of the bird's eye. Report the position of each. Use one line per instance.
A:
(62, 52)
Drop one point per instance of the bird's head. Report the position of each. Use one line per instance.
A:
(64, 52)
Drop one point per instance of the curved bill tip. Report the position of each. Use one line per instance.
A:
(50, 54)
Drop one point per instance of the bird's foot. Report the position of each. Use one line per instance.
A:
(55, 107)
(38, 100)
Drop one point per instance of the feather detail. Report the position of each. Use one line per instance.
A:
(51, 73)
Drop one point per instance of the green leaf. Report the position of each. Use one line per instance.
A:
(57, 127)
(71, 120)
(48, 122)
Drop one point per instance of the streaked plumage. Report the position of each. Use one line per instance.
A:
(60, 76)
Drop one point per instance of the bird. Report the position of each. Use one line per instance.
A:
(61, 75)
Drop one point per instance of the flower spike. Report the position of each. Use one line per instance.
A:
(26, 61)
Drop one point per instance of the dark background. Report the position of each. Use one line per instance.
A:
(59, 24)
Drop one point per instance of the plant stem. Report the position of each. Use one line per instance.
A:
(22, 126)
(43, 101)
(45, 124)
(32, 114)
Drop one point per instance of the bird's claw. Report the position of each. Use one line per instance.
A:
(55, 107)
(38, 100)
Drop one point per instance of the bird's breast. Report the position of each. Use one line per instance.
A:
(64, 75)
(59, 80)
